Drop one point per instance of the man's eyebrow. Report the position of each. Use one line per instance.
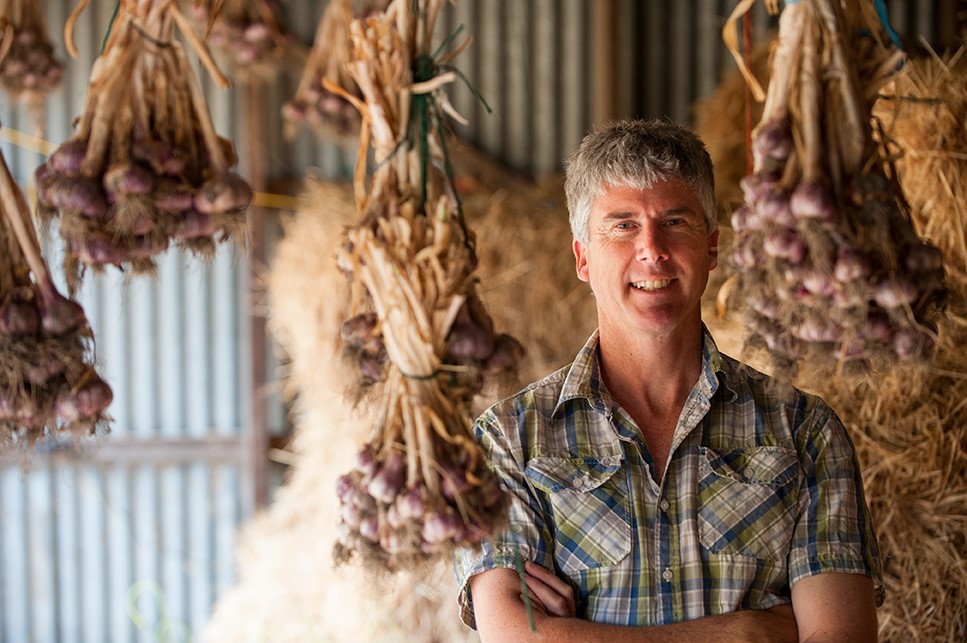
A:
(679, 211)
(619, 215)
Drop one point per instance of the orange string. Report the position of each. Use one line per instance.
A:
(747, 55)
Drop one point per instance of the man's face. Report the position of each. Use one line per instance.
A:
(648, 258)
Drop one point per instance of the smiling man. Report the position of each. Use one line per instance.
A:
(660, 489)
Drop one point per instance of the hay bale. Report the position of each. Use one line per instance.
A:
(910, 430)
(909, 426)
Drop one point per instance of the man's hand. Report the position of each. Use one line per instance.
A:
(547, 592)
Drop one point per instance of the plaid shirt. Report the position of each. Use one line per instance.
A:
(762, 489)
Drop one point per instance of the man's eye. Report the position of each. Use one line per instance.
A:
(673, 222)
(622, 225)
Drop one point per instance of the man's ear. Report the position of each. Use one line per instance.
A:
(713, 249)
(581, 260)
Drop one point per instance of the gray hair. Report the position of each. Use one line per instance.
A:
(636, 153)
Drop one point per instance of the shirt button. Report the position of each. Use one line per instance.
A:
(749, 472)
(667, 574)
(664, 504)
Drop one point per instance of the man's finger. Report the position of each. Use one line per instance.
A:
(548, 578)
(556, 595)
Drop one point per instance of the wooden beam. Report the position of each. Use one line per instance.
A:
(604, 60)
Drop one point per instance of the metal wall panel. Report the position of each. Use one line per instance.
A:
(532, 62)
(134, 539)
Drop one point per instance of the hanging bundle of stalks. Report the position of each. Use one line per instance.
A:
(420, 486)
(28, 68)
(48, 385)
(145, 166)
(329, 113)
(249, 33)
(827, 258)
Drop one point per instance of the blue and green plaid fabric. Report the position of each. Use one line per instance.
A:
(762, 489)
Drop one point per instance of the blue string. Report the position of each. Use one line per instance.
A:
(881, 11)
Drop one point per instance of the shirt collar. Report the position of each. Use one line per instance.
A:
(583, 379)
(714, 367)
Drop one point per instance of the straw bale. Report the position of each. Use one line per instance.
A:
(909, 426)
(910, 430)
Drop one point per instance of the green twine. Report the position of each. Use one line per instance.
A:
(424, 69)
(519, 563)
(110, 25)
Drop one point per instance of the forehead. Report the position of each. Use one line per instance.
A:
(660, 196)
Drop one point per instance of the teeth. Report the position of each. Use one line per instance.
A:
(651, 284)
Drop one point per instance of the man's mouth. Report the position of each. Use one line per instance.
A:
(651, 284)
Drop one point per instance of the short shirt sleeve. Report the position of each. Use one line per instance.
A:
(524, 536)
(834, 531)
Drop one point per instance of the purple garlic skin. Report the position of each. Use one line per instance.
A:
(59, 315)
(851, 266)
(18, 318)
(785, 244)
(194, 225)
(924, 258)
(68, 157)
(411, 503)
(774, 206)
(78, 195)
(812, 201)
(468, 341)
(365, 462)
(223, 194)
(507, 354)
(359, 331)
(441, 526)
(128, 179)
(773, 141)
(389, 480)
(893, 293)
(89, 401)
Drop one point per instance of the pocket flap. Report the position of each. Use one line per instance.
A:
(755, 465)
(551, 474)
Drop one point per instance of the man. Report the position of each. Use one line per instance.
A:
(654, 481)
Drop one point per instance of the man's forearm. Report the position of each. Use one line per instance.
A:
(776, 624)
(502, 616)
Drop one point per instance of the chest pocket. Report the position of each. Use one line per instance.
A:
(588, 498)
(747, 501)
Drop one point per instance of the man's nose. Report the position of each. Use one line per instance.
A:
(650, 244)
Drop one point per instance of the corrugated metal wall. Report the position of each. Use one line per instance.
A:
(134, 540)
(137, 534)
(533, 61)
